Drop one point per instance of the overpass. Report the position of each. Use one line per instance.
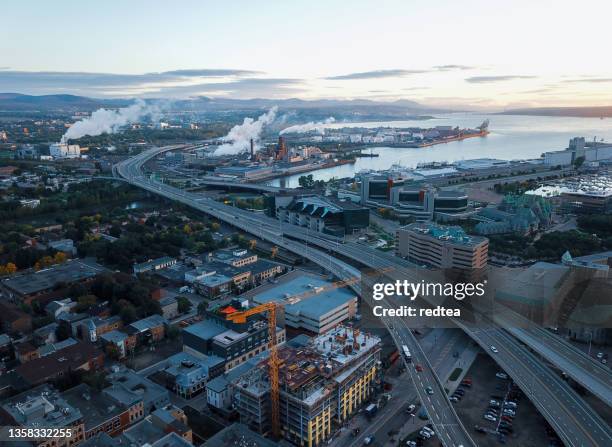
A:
(573, 419)
(445, 420)
(230, 184)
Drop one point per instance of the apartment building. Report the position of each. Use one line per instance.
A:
(322, 384)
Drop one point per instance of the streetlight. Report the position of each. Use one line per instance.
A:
(590, 342)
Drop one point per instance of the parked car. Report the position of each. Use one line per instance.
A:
(501, 375)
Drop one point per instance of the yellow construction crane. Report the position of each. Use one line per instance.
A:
(274, 362)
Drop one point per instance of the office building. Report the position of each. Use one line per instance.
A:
(445, 247)
(412, 200)
(325, 215)
(307, 302)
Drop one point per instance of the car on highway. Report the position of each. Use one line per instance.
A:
(429, 390)
(501, 375)
(489, 417)
(494, 349)
(424, 435)
(418, 368)
(429, 430)
(368, 440)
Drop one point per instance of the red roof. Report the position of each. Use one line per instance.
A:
(228, 310)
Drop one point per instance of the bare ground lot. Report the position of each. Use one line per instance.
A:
(529, 425)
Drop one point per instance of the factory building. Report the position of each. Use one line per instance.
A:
(418, 201)
(441, 246)
(321, 385)
(63, 150)
(577, 148)
(325, 215)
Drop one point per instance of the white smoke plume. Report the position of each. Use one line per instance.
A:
(110, 121)
(239, 137)
(318, 127)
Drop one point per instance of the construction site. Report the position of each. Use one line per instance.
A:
(320, 385)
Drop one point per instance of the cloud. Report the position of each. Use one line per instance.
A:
(589, 80)
(501, 78)
(452, 67)
(376, 74)
(177, 83)
(246, 88)
(211, 72)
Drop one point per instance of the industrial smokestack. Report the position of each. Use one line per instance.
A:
(281, 153)
(252, 150)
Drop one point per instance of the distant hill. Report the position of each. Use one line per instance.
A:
(585, 112)
(19, 102)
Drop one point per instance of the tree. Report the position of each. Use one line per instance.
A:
(60, 257)
(85, 302)
(184, 305)
(115, 231)
(202, 308)
(128, 314)
(306, 181)
(62, 332)
(172, 332)
(215, 226)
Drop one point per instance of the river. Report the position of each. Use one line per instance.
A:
(512, 137)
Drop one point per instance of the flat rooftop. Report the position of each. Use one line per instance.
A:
(71, 271)
(453, 234)
(303, 294)
(42, 406)
(238, 435)
(205, 330)
(96, 407)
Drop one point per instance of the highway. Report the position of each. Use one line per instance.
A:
(585, 370)
(443, 417)
(574, 421)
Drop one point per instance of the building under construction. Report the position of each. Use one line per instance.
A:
(321, 385)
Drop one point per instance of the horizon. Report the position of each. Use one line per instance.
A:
(520, 58)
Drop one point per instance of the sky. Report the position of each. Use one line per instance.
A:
(469, 53)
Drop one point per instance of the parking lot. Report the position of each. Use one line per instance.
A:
(528, 426)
